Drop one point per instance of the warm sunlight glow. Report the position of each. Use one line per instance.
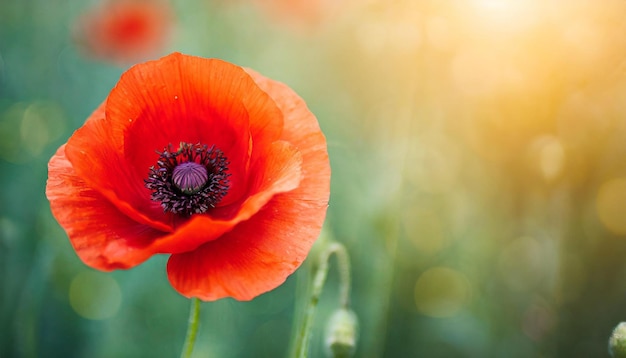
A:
(507, 13)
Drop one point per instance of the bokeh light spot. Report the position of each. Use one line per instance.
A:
(433, 171)
(548, 155)
(42, 123)
(611, 205)
(522, 264)
(10, 143)
(95, 295)
(552, 156)
(424, 230)
(538, 320)
(9, 232)
(441, 292)
(27, 128)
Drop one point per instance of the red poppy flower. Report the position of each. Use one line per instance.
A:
(124, 30)
(222, 168)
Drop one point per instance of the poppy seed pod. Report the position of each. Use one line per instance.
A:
(341, 333)
(617, 342)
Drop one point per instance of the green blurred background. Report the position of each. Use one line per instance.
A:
(478, 151)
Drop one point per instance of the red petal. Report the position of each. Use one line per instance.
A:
(260, 253)
(257, 256)
(94, 151)
(303, 131)
(103, 237)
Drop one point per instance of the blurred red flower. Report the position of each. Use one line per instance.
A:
(222, 168)
(124, 31)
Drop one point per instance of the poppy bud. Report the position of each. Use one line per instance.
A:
(341, 333)
(617, 342)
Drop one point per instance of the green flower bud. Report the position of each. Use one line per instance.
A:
(341, 333)
(617, 342)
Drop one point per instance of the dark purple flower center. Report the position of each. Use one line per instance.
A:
(190, 180)
(190, 177)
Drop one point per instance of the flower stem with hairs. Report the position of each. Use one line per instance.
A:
(331, 247)
(192, 328)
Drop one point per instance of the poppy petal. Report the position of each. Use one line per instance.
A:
(103, 237)
(91, 150)
(300, 125)
(260, 253)
(303, 131)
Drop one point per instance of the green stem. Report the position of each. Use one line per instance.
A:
(304, 334)
(192, 328)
